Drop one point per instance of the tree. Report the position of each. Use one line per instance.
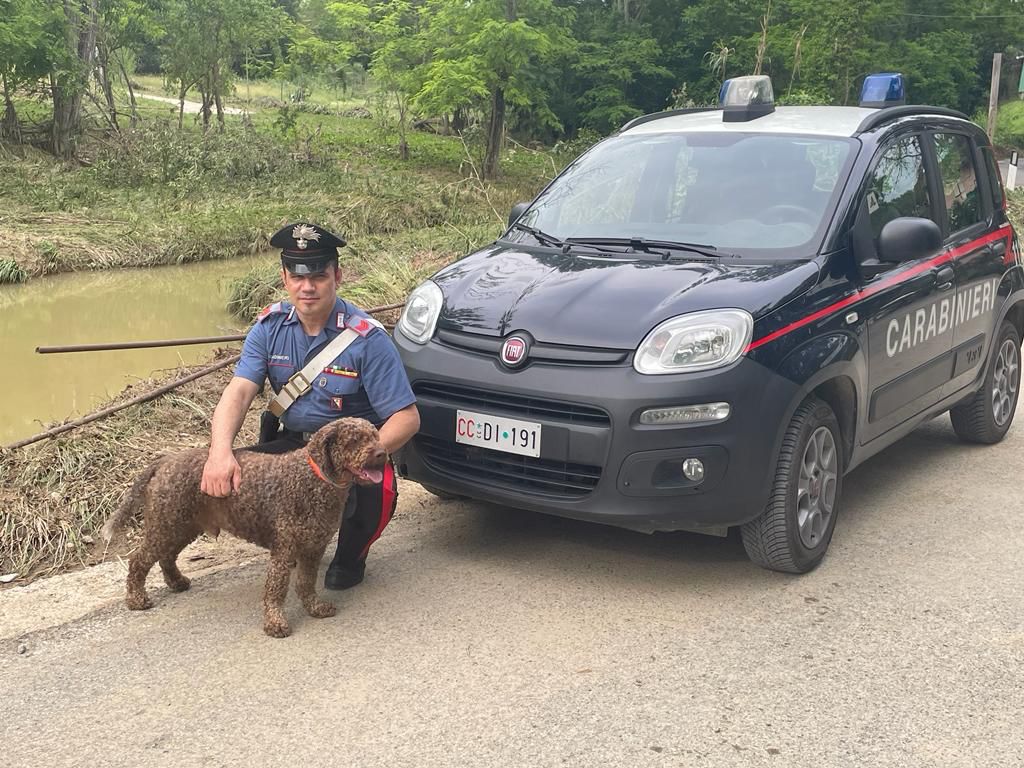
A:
(398, 62)
(70, 69)
(504, 48)
(204, 38)
(29, 37)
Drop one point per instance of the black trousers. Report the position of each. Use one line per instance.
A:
(368, 510)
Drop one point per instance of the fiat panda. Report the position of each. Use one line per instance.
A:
(712, 316)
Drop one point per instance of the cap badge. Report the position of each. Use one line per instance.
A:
(304, 233)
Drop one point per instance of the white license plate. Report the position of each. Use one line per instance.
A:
(498, 433)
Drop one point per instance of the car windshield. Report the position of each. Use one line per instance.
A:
(751, 195)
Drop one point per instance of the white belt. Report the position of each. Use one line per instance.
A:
(301, 381)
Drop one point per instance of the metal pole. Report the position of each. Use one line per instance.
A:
(173, 342)
(137, 344)
(993, 95)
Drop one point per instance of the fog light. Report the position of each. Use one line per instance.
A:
(693, 469)
(687, 414)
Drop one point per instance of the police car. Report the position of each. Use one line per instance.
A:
(712, 316)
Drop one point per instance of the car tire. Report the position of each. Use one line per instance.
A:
(987, 416)
(793, 532)
(442, 495)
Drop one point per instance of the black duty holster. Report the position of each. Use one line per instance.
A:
(270, 425)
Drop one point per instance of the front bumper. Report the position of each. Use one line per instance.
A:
(597, 462)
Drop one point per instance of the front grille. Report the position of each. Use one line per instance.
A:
(540, 352)
(520, 405)
(520, 473)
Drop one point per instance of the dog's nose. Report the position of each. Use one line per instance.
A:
(380, 454)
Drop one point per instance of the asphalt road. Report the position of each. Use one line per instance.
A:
(489, 637)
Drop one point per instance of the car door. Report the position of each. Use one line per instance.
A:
(909, 343)
(977, 247)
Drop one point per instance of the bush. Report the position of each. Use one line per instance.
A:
(10, 272)
(158, 153)
(1009, 125)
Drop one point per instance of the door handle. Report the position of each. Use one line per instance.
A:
(999, 249)
(944, 278)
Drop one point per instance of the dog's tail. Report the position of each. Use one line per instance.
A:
(130, 503)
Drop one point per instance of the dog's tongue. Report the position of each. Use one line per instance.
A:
(373, 475)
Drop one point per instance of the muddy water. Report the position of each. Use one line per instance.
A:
(84, 308)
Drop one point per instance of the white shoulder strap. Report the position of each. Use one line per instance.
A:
(301, 382)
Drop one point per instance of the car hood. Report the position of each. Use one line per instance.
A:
(602, 301)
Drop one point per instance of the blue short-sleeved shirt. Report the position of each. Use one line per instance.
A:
(366, 381)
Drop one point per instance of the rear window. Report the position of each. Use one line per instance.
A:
(959, 181)
(994, 177)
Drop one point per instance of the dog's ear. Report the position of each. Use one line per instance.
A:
(321, 447)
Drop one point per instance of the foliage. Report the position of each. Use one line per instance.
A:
(11, 272)
(540, 70)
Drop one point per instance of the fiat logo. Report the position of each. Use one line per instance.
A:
(513, 351)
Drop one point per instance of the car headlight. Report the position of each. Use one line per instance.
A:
(695, 342)
(422, 309)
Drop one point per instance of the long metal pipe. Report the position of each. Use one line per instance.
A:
(169, 342)
(137, 344)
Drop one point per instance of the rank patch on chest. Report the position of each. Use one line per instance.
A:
(336, 403)
(338, 370)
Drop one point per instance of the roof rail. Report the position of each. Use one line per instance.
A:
(659, 115)
(883, 116)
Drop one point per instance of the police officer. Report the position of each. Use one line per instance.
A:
(366, 380)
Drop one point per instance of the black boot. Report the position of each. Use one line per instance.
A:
(344, 575)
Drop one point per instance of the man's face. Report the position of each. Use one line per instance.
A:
(312, 295)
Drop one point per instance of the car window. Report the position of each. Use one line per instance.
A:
(994, 177)
(898, 186)
(762, 195)
(959, 180)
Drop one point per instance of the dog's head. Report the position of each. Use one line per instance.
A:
(349, 446)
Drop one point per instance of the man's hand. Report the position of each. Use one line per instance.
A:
(221, 475)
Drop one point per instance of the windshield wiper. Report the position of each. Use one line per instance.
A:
(542, 237)
(653, 246)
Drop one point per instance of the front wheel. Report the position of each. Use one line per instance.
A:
(794, 531)
(987, 416)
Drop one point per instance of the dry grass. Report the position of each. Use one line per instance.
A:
(57, 493)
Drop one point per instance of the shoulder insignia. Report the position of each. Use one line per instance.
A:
(271, 309)
(362, 325)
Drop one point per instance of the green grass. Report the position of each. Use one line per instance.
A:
(160, 195)
(10, 272)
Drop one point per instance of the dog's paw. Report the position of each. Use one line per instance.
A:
(277, 628)
(322, 610)
(136, 603)
(179, 585)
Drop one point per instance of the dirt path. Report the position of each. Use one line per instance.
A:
(191, 107)
(489, 637)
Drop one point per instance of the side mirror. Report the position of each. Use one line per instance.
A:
(517, 210)
(908, 239)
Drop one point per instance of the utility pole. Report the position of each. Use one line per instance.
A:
(993, 94)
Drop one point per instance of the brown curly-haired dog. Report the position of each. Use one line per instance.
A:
(289, 503)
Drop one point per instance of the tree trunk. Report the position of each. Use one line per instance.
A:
(495, 134)
(217, 90)
(131, 90)
(69, 87)
(181, 102)
(10, 129)
(103, 75)
(403, 109)
(458, 121)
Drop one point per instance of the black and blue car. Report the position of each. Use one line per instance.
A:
(712, 316)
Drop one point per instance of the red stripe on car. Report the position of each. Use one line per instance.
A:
(1003, 232)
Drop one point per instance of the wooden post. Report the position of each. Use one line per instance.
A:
(993, 95)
